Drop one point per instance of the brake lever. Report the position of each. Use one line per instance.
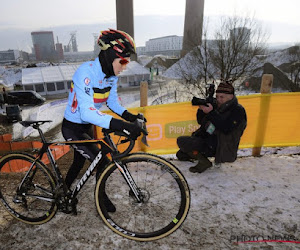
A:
(142, 124)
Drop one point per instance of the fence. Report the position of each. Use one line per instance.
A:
(273, 120)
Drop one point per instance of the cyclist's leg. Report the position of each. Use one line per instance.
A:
(107, 202)
(78, 162)
(73, 131)
(101, 166)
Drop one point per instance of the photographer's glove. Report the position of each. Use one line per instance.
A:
(130, 129)
(131, 117)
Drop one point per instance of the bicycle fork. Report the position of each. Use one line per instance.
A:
(128, 178)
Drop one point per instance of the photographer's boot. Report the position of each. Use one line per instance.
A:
(202, 165)
(181, 156)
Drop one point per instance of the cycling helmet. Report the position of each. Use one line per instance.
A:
(121, 42)
(114, 44)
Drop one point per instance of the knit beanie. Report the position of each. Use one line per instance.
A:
(225, 87)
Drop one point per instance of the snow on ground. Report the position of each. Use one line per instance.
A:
(254, 198)
(182, 68)
(53, 111)
(10, 76)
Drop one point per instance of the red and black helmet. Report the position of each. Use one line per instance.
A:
(118, 40)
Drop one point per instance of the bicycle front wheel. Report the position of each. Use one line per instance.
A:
(165, 198)
(26, 188)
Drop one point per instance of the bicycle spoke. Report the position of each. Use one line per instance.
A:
(27, 196)
(164, 202)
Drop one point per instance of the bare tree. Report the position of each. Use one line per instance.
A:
(196, 69)
(294, 67)
(229, 55)
(238, 41)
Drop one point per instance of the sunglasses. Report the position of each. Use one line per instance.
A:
(123, 61)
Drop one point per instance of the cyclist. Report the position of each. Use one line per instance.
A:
(95, 83)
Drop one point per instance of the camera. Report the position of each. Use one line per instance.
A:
(210, 91)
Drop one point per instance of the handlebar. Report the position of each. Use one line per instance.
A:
(124, 138)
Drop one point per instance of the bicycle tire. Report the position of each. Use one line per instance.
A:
(166, 192)
(24, 204)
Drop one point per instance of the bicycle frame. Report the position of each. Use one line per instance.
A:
(106, 148)
(161, 199)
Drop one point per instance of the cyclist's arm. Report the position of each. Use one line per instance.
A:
(113, 100)
(84, 94)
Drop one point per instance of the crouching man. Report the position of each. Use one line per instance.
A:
(220, 131)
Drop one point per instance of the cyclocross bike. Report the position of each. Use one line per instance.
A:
(151, 195)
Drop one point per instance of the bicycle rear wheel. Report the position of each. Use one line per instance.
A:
(26, 188)
(166, 198)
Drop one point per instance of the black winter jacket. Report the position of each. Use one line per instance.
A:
(230, 121)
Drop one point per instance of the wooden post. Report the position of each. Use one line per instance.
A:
(265, 88)
(266, 84)
(144, 94)
(143, 103)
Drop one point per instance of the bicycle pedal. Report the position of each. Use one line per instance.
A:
(66, 211)
(17, 200)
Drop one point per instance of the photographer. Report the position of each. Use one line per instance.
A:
(221, 127)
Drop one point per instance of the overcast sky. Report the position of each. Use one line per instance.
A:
(280, 17)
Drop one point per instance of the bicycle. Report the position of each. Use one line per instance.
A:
(151, 196)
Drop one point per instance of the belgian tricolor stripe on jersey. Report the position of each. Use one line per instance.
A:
(101, 95)
(72, 87)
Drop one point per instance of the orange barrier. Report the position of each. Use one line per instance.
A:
(18, 166)
(273, 120)
(15, 166)
(5, 137)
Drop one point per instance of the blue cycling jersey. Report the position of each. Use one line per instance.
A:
(89, 90)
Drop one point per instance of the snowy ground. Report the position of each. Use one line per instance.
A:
(251, 199)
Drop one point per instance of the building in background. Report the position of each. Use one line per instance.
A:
(167, 45)
(80, 56)
(13, 56)
(72, 45)
(133, 75)
(240, 34)
(141, 51)
(96, 46)
(59, 50)
(43, 44)
(47, 81)
(45, 49)
(56, 80)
